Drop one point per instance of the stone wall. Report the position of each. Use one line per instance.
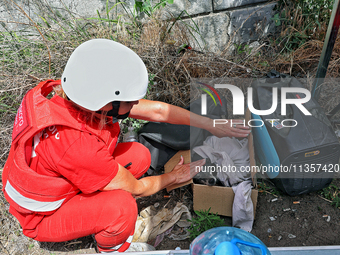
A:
(224, 23)
(221, 23)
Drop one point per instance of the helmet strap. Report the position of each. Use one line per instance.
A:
(114, 112)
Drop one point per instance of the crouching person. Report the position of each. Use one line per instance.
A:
(66, 175)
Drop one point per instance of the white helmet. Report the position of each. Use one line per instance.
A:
(101, 71)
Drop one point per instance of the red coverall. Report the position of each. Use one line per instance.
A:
(88, 163)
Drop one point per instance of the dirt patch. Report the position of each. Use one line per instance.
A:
(306, 220)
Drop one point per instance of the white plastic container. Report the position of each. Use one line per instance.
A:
(227, 241)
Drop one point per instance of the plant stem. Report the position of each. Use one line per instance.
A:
(45, 41)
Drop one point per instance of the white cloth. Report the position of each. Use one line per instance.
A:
(231, 153)
(152, 222)
(243, 210)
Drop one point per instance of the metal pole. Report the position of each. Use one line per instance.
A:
(327, 49)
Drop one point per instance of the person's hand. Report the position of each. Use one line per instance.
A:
(185, 172)
(237, 129)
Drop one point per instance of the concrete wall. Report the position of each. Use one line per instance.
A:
(221, 23)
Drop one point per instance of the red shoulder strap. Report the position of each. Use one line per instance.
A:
(46, 87)
(23, 120)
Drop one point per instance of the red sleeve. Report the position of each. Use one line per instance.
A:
(88, 164)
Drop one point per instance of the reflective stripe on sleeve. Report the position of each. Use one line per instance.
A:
(31, 204)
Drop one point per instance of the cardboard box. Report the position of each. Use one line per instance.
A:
(219, 199)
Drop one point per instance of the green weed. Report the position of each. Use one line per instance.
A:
(8, 104)
(204, 221)
(301, 21)
(263, 187)
(332, 193)
(135, 123)
(192, 28)
(243, 49)
(149, 7)
(264, 63)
